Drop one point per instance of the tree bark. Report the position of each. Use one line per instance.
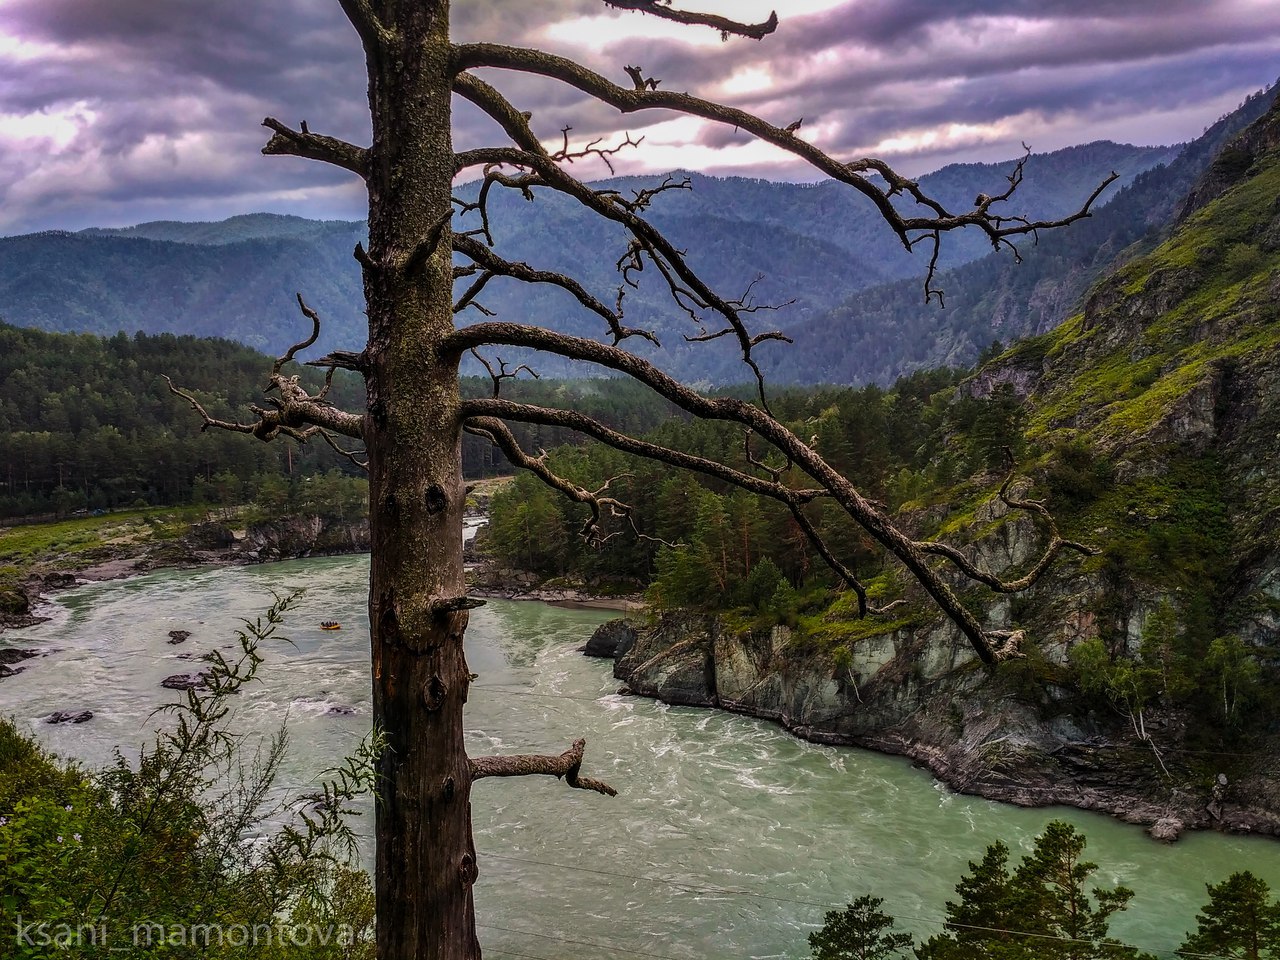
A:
(425, 859)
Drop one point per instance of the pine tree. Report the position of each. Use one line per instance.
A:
(859, 932)
(1050, 898)
(1043, 910)
(976, 923)
(1240, 920)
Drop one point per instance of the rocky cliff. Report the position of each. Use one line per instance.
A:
(1153, 428)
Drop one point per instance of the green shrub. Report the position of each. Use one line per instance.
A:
(182, 853)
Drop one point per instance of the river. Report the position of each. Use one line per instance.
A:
(728, 840)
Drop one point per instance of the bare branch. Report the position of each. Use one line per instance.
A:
(342, 360)
(572, 420)
(301, 345)
(727, 27)
(494, 265)
(311, 146)
(367, 23)
(593, 529)
(910, 553)
(204, 414)
(1055, 546)
(853, 173)
(428, 244)
(502, 373)
(488, 156)
(351, 455)
(687, 288)
(294, 412)
(830, 559)
(566, 767)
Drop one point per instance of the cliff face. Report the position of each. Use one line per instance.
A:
(1162, 393)
(304, 536)
(920, 693)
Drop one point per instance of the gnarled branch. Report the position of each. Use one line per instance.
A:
(596, 501)
(373, 33)
(494, 265)
(311, 146)
(1055, 546)
(565, 767)
(632, 99)
(990, 646)
(727, 27)
(690, 292)
(293, 411)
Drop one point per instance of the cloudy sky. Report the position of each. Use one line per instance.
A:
(118, 111)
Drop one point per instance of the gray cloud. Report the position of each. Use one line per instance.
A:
(138, 109)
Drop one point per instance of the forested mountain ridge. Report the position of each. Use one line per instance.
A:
(1149, 681)
(88, 422)
(812, 243)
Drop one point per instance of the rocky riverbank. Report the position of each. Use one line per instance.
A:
(215, 543)
(209, 543)
(976, 732)
(488, 581)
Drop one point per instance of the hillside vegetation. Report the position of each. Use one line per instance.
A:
(88, 423)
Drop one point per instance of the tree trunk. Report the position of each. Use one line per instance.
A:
(425, 860)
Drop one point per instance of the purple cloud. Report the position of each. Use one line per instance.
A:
(114, 113)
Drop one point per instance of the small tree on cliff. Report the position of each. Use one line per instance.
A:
(412, 425)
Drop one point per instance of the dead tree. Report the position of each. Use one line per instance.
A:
(420, 247)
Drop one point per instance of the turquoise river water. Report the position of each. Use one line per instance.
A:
(729, 838)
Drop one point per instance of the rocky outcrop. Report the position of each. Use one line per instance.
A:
(14, 655)
(611, 640)
(303, 537)
(1234, 162)
(489, 580)
(922, 695)
(186, 681)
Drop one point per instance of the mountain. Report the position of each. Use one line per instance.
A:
(880, 333)
(812, 243)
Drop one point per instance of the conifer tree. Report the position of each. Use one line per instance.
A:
(859, 932)
(1042, 910)
(1240, 920)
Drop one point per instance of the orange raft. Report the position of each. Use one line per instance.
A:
(330, 625)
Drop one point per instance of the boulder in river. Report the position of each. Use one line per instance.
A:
(178, 636)
(66, 716)
(12, 655)
(611, 640)
(1167, 829)
(7, 671)
(186, 681)
(58, 581)
(340, 710)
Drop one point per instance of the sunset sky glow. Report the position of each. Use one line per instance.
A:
(115, 113)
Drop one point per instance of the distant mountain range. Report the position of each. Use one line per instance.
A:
(857, 307)
(882, 332)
